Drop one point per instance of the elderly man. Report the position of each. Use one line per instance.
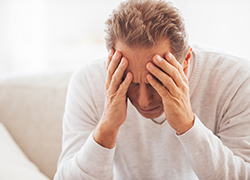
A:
(156, 107)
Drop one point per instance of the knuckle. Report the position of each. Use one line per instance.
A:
(185, 88)
(107, 86)
(123, 86)
(167, 81)
(112, 97)
(164, 91)
(115, 80)
(120, 91)
(109, 73)
(176, 72)
(185, 79)
(179, 68)
(178, 95)
(108, 91)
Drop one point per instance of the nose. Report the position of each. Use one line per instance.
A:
(144, 96)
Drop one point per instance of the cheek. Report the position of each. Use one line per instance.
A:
(157, 98)
(131, 93)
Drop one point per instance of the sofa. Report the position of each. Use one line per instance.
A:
(31, 112)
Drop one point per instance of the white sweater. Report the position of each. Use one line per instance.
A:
(216, 147)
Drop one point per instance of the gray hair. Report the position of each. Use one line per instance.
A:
(144, 23)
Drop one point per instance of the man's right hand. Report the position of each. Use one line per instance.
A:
(115, 110)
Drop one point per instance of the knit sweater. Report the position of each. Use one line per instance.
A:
(216, 147)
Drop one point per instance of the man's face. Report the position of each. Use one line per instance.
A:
(140, 93)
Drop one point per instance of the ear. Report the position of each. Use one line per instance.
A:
(186, 62)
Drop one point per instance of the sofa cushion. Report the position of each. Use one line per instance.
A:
(31, 108)
(14, 163)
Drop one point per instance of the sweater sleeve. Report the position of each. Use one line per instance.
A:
(226, 154)
(221, 151)
(81, 156)
(218, 145)
(210, 158)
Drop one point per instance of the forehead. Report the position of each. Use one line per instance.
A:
(138, 57)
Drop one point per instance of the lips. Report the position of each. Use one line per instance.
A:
(149, 110)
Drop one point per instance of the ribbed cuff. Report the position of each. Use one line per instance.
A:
(193, 134)
(197, 139)
(96, 160)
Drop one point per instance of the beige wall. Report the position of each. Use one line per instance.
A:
(38, 35)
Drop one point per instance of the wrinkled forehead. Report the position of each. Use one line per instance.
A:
(137, 65)
(138, 57)
(138, 60)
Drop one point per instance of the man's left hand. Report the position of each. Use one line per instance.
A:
(169, 80)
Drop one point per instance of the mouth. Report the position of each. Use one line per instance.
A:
(150, 110)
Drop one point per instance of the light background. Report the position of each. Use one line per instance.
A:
(56, 35)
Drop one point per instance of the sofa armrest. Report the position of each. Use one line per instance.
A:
(31, 108)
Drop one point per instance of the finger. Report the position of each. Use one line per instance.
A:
(172, 60)
(162, 91)
(118, 75)
(164, 78)
(168, 68)
(110, 55)
(125, 84)
(115, 60)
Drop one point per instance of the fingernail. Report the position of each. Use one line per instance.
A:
(123, 62)
(116, 54)
(170, 55)
(150, 66)
(158, 58)
(110, 52)
(150, 76)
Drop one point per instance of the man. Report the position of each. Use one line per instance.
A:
(157, 108)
